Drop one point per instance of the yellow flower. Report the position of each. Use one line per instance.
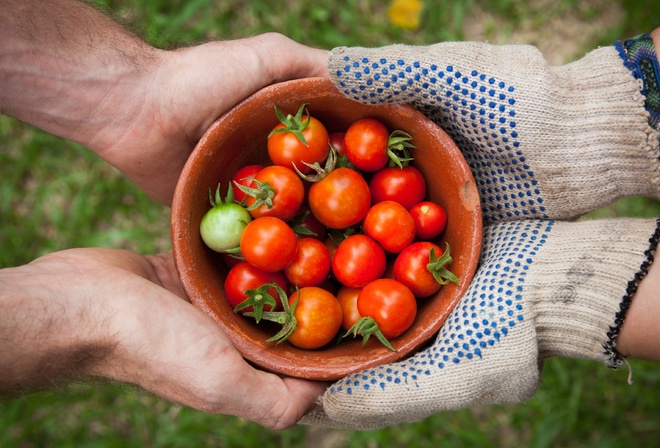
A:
(405, 13)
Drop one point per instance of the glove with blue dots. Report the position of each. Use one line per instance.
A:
(542, 142)
(544, 288)
(546, 145)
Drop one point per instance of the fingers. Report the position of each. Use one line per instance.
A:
(174, 350)
(273, 402)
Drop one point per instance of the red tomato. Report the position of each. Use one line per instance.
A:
(411, 268)
(318, 316)
(286, 148)
(306, 225)
(390, 303)
(403, 185)
(243, 276)
(244, 177)
(269, 244)
(282, 197)
(358, 260)
(341, 199)
(430, 220)
(311, 265)
(337, 141)
(347, 298)
(365, 143)
(390, 224)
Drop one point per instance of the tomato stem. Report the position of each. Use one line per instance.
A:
(321, 173)
(286, 318)
(399, 148)
(437, 267)
(292, 124)
(263, 194)
(365, 327)
(257, 299)
(218, 199)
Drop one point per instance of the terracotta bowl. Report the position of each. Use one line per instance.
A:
(239, 138)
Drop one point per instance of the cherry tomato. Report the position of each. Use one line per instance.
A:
(430, 220)
(390, 303)
(365, 143)
(412, 268)
(244, 177)
(341, 199)
(337, 142)
(269, 244)
(243, 276)
(285, 148)
(347, 298)
(311, 265)
(281, 198)
(306, 225)
(318, 315)
(390, 224)
(358, 260)
(403, 185)
(221, 226)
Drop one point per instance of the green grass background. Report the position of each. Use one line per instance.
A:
(56, 195)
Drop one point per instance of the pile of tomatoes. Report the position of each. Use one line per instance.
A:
(335, 233)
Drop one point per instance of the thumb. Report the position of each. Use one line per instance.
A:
(285, 59)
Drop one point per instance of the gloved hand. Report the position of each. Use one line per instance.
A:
(545, 144)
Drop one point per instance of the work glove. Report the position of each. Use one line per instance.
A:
(546, 145)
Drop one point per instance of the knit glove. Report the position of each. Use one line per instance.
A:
(542, 142)
(545, 144)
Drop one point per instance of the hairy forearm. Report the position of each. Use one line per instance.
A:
(64, 67)
(46, 337)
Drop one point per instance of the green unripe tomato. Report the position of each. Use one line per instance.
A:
(222, 226)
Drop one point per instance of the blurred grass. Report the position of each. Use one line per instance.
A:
(55, 195)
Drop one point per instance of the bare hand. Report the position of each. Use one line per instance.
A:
(118, 315)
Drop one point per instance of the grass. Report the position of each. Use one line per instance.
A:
(56, 195)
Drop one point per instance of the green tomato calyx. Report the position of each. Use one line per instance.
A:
(257, 299)
(293, 124)
(217, 200)
(365, 327)
(399, 149)
(437, 267)
(321, 173)
(263, 193)
(285, 318)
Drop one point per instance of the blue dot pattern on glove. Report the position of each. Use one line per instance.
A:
(491, 309)
(476, 110)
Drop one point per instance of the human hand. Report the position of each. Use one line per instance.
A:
(118, 315)
(544, 143)
(79, 75)
(185, 93)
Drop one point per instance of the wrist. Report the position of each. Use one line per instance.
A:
(50, 333)
(584, 280)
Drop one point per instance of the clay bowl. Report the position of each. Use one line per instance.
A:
(231, 143)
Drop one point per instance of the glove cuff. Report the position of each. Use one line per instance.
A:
(583, 283)
(639, 55)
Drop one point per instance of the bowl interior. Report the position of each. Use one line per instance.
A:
(239, 138)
